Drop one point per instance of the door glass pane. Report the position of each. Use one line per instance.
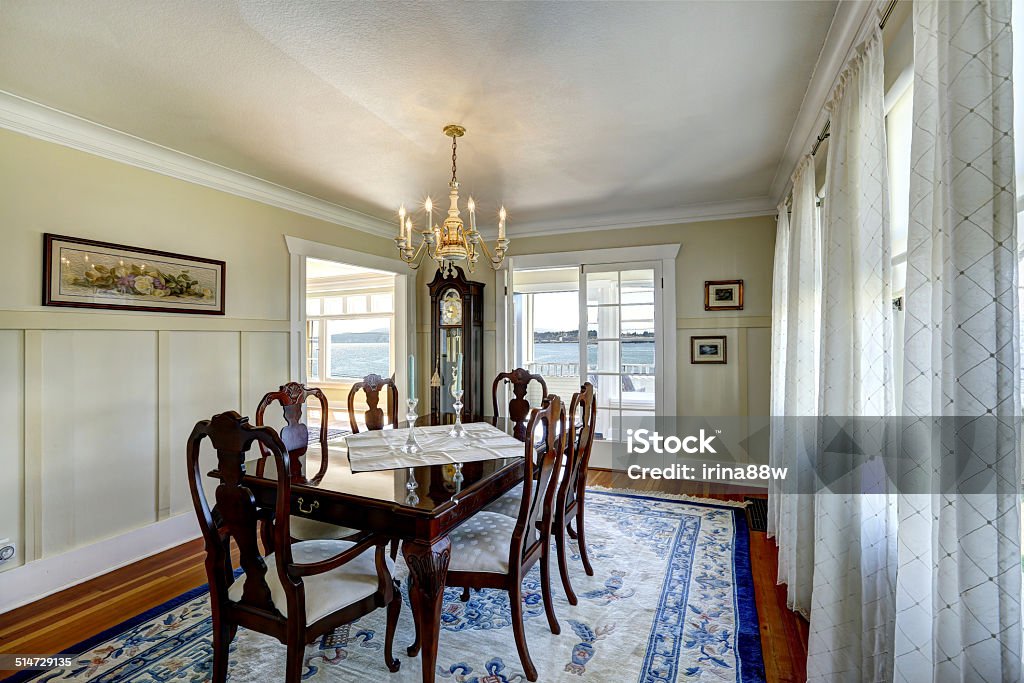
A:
(603, 356)
(357, 348)
(606, 425)
(638, 392)
(638, 312)
(602, 288)
(638, 328)
(602, 322)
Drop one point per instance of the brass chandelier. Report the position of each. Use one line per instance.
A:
(450, 241)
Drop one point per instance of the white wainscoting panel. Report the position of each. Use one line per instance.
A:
(264, 368)
(203, 380)
(99, 435)
(12, 465)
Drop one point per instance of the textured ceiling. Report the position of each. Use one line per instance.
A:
(574, 110)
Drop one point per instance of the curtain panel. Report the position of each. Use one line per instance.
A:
(792, 446)
(853, 599)
(959, 580)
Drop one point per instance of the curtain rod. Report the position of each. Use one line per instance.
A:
(824, 134)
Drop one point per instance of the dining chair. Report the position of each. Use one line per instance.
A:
(570, 501)
(298, 593)
(569, 505)
(374, 417)
(295, 436)
(518, 405)
(490, 550)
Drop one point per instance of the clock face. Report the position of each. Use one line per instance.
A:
(451, 308)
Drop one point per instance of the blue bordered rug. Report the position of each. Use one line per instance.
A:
(672, 599)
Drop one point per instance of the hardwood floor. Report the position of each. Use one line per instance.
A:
(63, 619)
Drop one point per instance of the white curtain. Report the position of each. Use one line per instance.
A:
(796, 395)
(959, 578)
(853, 601)
(780, 284)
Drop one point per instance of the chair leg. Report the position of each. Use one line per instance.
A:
(394, 608)
(222, 636)
(563, 567)
(582, 538)
(394, 548)
(293, 661)
(545, 589)
(465, 594)
(515, 599)
(572, 532)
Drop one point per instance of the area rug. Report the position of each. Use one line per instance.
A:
(671, 600)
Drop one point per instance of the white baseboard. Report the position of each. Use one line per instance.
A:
(46, 576)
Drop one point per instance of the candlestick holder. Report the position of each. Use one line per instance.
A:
(457, 429)
(410, 480)
(411, 444)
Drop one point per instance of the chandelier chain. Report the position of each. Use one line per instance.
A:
(454, 141)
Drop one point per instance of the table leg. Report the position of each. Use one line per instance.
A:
(428, 566)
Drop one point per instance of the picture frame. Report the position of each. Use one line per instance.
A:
(84, 273)
(723, 295)
(710, 350)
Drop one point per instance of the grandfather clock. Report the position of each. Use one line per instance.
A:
(456, 335)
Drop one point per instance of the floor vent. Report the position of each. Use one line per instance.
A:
(757, 513)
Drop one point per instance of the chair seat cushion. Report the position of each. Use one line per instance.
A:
(328, 592)
(509, 503)
(482, 543)
(306, 529)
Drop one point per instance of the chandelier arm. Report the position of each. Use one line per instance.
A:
(494, 262)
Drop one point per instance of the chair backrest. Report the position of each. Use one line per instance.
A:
(518, 406)
(374, 417)
(295, 433)
(235, 514)
(578, 443)
(545, 440)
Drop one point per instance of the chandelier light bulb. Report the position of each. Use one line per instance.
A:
(428, 205)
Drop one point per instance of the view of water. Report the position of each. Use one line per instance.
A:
(358, 359)
(550, 352)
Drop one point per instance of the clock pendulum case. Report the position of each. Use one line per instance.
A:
(456, 342)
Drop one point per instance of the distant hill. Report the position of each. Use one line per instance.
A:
(371, 337)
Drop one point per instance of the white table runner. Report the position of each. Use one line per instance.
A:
(382, 449)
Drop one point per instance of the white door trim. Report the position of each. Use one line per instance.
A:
(405, 300)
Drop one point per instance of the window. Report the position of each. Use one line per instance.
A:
(349, 322)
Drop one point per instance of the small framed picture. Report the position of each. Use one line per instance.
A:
(723, 295)
(707, 350)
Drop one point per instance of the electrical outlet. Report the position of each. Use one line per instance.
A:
(7, 550)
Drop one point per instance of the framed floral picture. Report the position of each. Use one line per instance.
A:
(723, 295)
(83, 273)
(707, 350)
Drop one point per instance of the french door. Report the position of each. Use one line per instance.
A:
(621, 341)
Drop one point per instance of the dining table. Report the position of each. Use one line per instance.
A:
(418, 506)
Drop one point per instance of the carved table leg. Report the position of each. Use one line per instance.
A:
(428, 566)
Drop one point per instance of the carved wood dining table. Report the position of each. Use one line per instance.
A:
(418, 506)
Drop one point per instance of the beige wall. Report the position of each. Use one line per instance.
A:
(97, 405)
(713, 250)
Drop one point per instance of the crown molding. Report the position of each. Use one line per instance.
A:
(689, 213)
(848, 26)
(45, 123)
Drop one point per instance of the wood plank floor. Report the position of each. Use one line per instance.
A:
(63, 619)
